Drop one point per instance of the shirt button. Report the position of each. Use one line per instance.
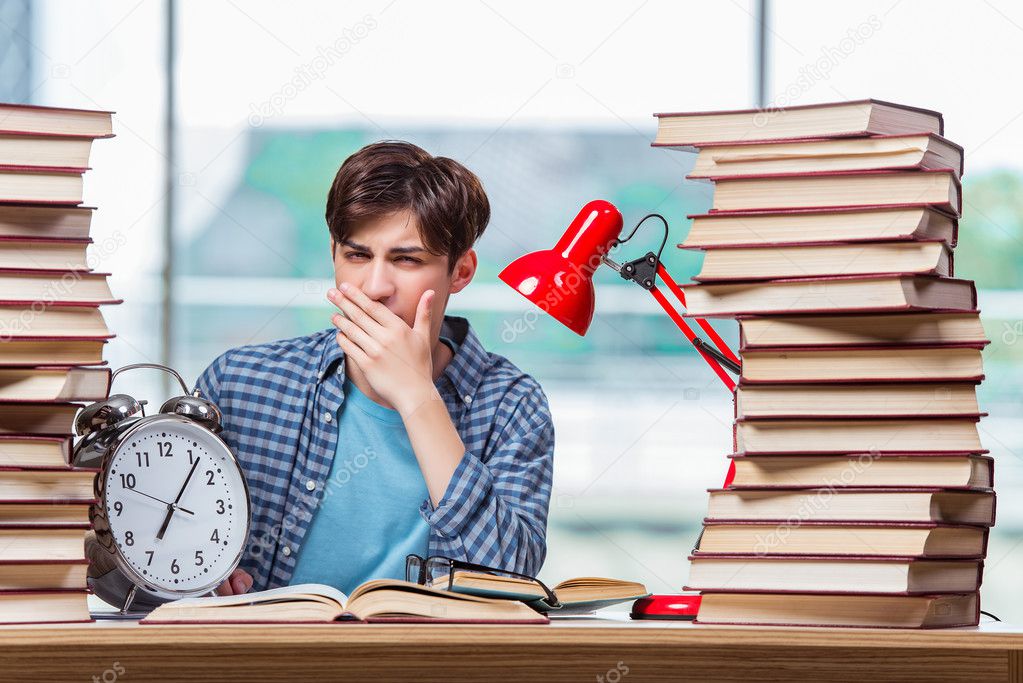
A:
(467, 398)
(286, 550)
(310, 485)
(327, 416)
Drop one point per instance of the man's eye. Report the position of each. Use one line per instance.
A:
(408, 259)
(356, 254)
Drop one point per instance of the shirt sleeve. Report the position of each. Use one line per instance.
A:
(209, 381)
(496, 504)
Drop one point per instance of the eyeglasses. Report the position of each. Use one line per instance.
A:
(435, 569)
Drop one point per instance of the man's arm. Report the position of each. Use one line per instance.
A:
(435, 440)
(495, 504)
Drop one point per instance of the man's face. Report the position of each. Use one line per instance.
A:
(387, 260)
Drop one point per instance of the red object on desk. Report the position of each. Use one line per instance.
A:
(681, 607)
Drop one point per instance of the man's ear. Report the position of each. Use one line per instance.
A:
(463, 272)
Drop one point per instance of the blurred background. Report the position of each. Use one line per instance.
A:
(233, 117)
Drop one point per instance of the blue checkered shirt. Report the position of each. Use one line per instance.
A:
(280, 401)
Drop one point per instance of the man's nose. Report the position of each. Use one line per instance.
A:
(379, 285)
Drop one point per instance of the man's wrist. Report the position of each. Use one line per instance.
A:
(415, 397)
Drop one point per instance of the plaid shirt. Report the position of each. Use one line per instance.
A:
(280, 401)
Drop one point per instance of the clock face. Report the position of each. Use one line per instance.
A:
(177, 505)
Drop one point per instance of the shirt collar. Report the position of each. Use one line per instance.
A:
(464, 372)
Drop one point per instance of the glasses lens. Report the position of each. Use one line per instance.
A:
(413, 565)
(437, 571)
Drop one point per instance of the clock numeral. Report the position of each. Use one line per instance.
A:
(165, 449)
(118, 507)
(129, 538)
(127, 480)
(215, 536)
(209, 475)
(174, 567)
(198, 558)
(143, 456)
(191, 458)
(220, 506)
(150, 553)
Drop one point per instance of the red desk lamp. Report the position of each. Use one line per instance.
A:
(560, 282)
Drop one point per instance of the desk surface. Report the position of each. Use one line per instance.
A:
(608, 649)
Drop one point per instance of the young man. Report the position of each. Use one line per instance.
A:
(393, 432)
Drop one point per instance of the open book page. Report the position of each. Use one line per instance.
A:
(300, 603)
(385, 598)
(316, 592)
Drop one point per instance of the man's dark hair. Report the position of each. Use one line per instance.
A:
(390, 176)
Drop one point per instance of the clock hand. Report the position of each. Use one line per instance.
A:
(171, 507)
(160, 500)
(187, 479)
(166, 521)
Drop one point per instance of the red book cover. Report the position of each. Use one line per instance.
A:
(10, 468)
(884, 344)
(67, 170)
(45, 240)
(50, 501)
(85, 526)
(13, 562)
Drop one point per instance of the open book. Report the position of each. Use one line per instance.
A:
(576, 596)
(374, 601)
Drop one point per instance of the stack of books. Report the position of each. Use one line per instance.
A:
(861, 493)
(52, 336)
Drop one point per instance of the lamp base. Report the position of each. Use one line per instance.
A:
(667, 606)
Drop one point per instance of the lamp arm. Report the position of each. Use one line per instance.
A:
(644, 271)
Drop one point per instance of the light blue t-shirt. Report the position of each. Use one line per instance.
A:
(369, 518)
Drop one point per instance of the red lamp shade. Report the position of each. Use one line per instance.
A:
(560, 280)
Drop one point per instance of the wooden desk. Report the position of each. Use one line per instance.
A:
(611, 650)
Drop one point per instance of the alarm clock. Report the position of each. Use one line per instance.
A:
(173, 514)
